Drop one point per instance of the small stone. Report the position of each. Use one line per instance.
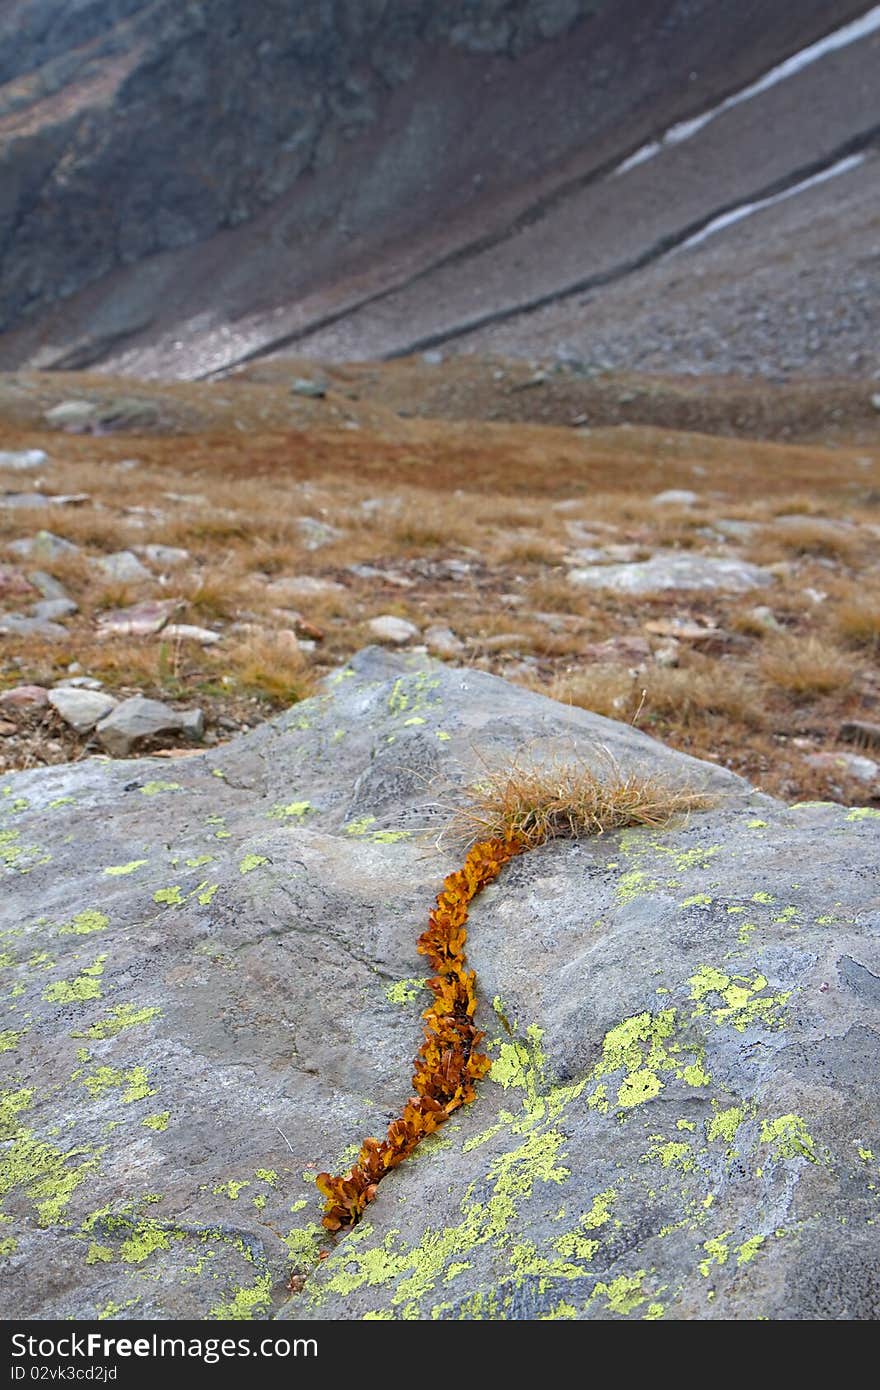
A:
(675, 497)
(851, 764)
(15, 624)
(396, 631)
(860, 731)
(765, 618)
(303, 386)
(316, 533)
(875, 401)
(674, 570)
(7, 728)
(43, 546)
(71, 414)
(667, 654)
(124, 567)
(24, 499)
(13, 582)
(167, 557)
(25, 697)
(23, 460)
(79, 683)
(81, 709)
(47, 584)
(442, 642)
(139, 620)
(192, 724)
(52, 609)
(188, 632)
(302, 586)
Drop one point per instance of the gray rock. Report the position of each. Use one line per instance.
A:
(79, 682)
(168, 557)
(220, 996)
(16, 624)
(25, 697)
(396, 631)
(139, 619)
(303, 586)
(47, 585)
(123, 566)
(316, 533)
(72, 414)
(45, 545)
(850, 764)
(674, 570)
(442, 641)
(24, 499)
(303, 386)
(55, 608)
(23, 460)
(676, 497)
(79, 708)
(189, 632)
(135, 720)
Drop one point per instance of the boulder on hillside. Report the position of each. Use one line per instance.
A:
(216, 994)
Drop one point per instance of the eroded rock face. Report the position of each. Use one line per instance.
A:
(214, 993)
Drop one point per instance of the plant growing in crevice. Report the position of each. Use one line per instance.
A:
(512, 810)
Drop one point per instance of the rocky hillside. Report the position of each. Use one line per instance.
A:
(199, 165)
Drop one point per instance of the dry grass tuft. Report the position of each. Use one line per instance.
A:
(566, 799)
(857, 620)
(269, 666)
(806, 666)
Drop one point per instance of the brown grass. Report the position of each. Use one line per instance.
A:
(857, 620)
(805, 667)
(567, 799)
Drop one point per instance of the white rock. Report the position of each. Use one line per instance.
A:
(138, 718)
(673, 570)
(68, 413)
(442, 642)
(396, 631)
(169, 557)
(852, 764)
(81, 709)
(188, 632)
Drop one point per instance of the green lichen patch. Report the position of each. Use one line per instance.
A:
(10, 1038)
(788, 1137)
(157, 788)
(744, 1001)
(122, 870)
(404, 991)
(251, 862)
(86, 986)
(169, 897)
(120, 1017)
(158, 1122)
(85, 923)
(49, 1176)
(246, 1303)
(294, 810)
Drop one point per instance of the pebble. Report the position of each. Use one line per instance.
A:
(47, 584)
(395, 631)
(303, 386)
(79, 683)
(7, 728)
(303, 586)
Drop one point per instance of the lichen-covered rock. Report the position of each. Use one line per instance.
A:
(214, 993)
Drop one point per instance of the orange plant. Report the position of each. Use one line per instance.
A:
(448, 1061)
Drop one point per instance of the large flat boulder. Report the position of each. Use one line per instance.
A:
(214, 993)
